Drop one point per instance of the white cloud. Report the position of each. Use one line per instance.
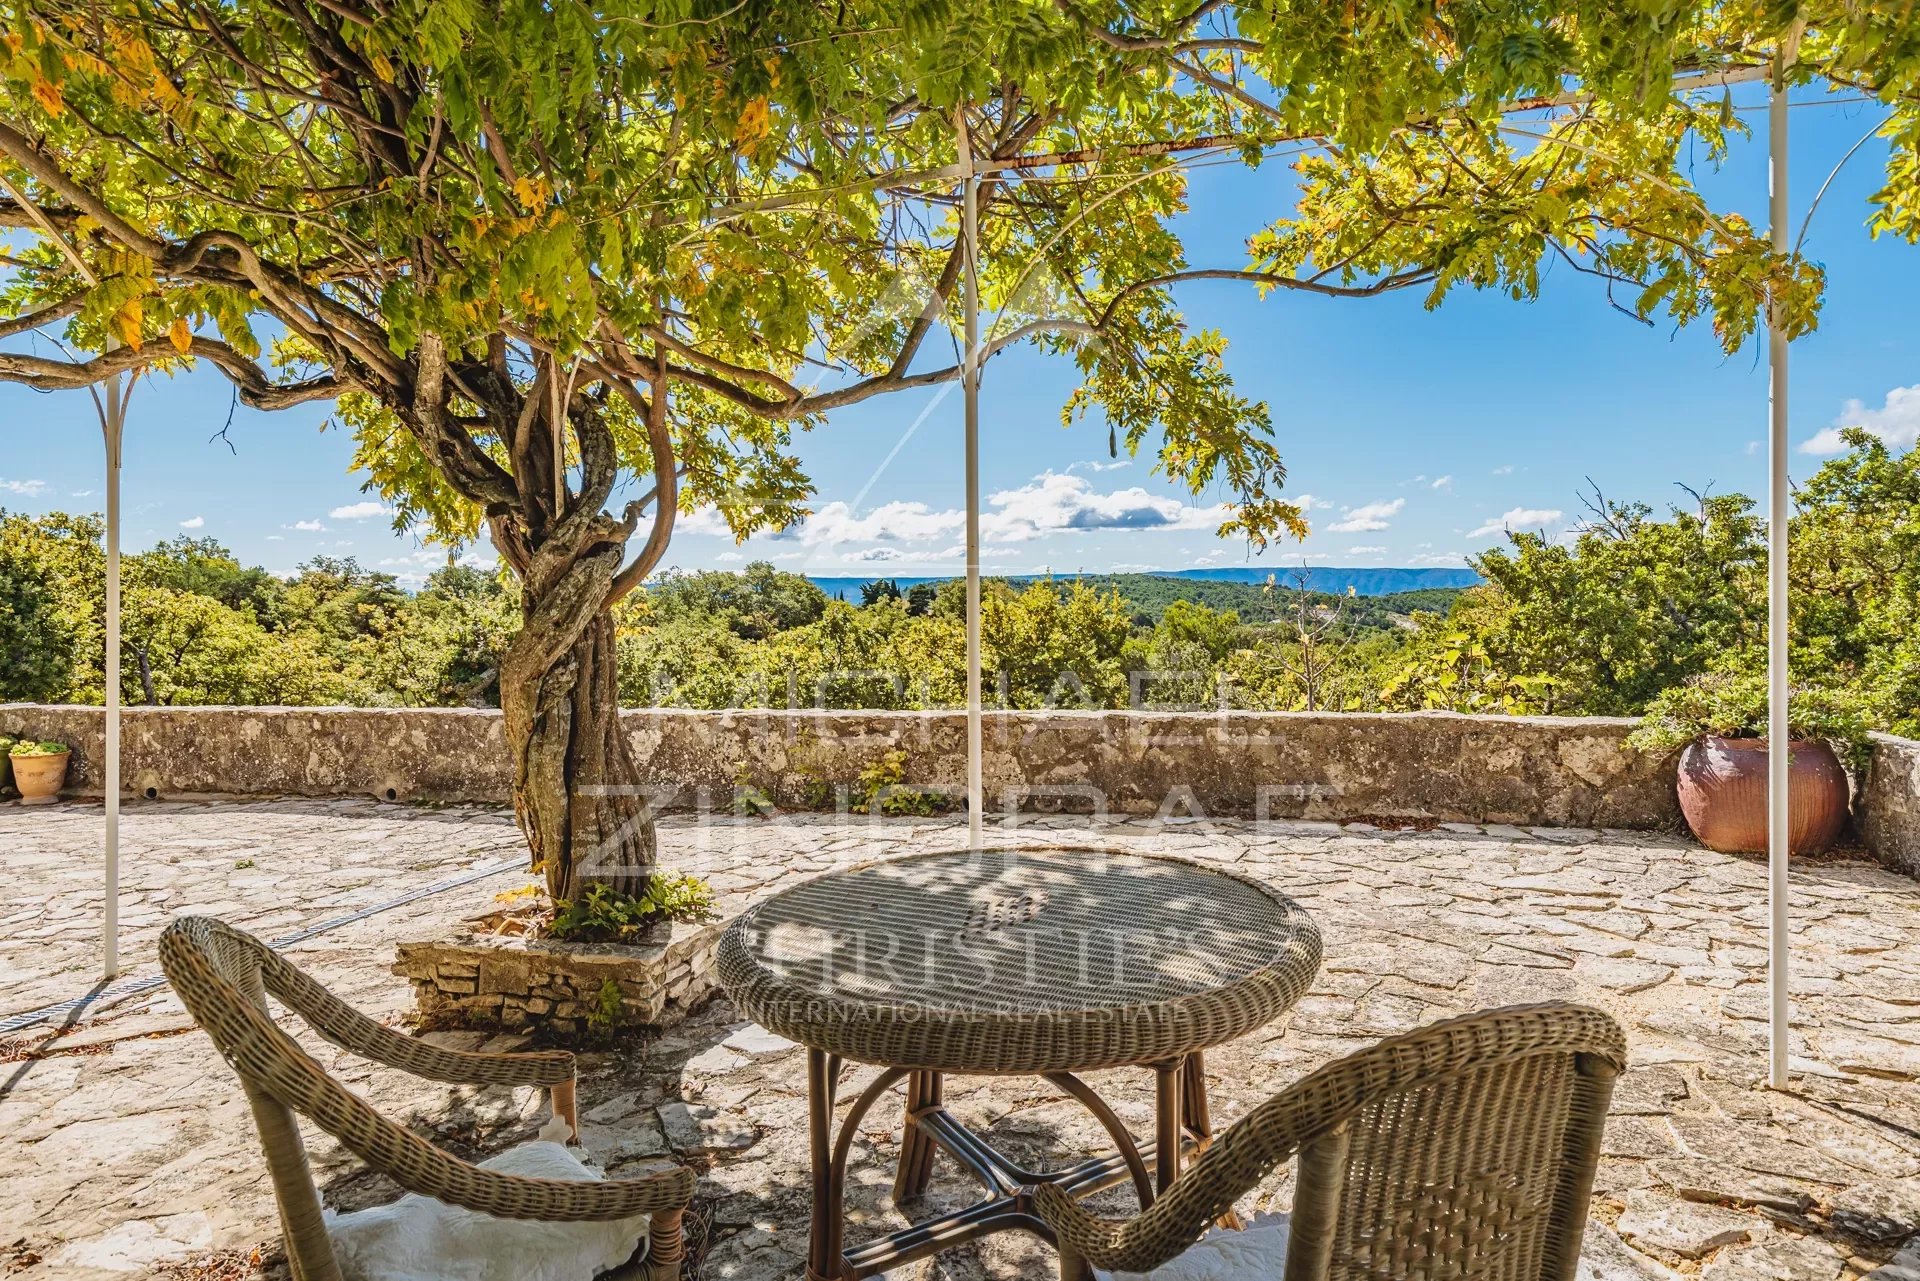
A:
(1056, 503)
(276, 538)
(1897, 422)
(1052, 503)
(729, 558)
(1311, 502)
(1367, 518)
(307, 526)
(1097, 464)
(702, 520)
(26, 488)
(874, 556)
(890, 522)
(1517, 518)
(1505, 469)
(361, 511)
(1366, 551)
(1753, 447)
(1452, 559)
(193, 522)
(1444, 482)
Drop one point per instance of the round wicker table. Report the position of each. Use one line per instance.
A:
(1047, 961)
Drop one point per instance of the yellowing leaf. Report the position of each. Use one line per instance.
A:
(47, 94)
(127, 322)
(531, 191)
(382, 66)
(755, 121)
(181, 335)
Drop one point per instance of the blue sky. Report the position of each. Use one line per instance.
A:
(1418, 435)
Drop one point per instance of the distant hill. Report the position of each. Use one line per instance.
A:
(1330, 579)
(1334, 579)
(1150, 594)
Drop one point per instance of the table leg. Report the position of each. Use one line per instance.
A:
(824, 1254)
(1169, 1090)
(1199, 1119)
(925, 1091)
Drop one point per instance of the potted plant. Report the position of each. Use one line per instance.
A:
(1719, 723)
(39, 770)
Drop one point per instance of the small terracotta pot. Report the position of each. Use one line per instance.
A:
(1723, 793)
(40, 778)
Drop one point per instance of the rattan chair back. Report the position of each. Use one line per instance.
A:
(220, 975)
(1463, 1151)
(224, 975)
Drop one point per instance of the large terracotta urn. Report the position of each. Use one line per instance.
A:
(1723, 793)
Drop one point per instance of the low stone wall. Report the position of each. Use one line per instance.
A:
(442, 754)
(1525, 770)
(1887, 804)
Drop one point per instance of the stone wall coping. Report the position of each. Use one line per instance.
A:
(1448, 766)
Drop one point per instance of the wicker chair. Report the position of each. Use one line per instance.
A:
(223, 975)
(1463, 1151)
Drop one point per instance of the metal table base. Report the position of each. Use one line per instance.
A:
(1182, 1124)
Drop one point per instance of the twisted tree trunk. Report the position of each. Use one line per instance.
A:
(577, 791)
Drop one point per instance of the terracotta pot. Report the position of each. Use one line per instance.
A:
(1723, 793)
(40, 778)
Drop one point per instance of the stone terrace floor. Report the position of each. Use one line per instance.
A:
(125, 1150)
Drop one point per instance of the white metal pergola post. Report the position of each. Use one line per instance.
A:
(1779, 514)
(970, 389)
(112, 421)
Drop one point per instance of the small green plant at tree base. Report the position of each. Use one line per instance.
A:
(880, 784)
(27, 747)
(1734, 705)
(604, 1018)
(749, 799)
(600, 915)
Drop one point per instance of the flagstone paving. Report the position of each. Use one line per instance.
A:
(125, 1151)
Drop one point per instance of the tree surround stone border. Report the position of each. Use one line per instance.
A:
(567, 989)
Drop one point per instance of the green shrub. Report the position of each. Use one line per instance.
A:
(1734, 705)
(880, 783)
(27, 747)
(604, 1018)
(750, 800)
(600, 915)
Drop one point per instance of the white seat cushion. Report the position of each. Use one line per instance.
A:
(1256, 1253)
(420, 1239)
